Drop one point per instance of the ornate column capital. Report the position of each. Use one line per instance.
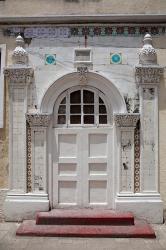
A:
(19, 74)
(148, 71)
(148, 74)
(38, 120)
(126, 120)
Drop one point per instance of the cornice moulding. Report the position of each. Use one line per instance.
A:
(103, 18)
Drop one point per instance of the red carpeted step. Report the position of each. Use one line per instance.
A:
(84, 217)
(140, 230)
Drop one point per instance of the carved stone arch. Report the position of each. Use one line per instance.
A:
(98, 81)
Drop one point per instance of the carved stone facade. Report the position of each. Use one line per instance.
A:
(52, 163)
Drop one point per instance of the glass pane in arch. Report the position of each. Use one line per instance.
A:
(88, 96)
(75, 97)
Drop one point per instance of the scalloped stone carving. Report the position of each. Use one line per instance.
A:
(21, 75)
(126, 120)
(148, 74)
(20, 55)
(29, 159)
(38, 120)
(147, 54)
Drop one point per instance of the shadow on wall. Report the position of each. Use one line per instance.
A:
(4, 141)
(162, 93)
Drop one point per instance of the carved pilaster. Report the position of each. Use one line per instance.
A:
(38, 124)
(38, 120)
(126, 124)
(126, 120)
(148, 75)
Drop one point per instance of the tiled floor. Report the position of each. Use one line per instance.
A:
(8, 241)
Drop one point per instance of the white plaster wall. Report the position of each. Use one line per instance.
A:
(121, 75)
(62, 7)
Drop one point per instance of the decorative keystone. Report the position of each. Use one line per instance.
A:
(126, 120)
(83, 73)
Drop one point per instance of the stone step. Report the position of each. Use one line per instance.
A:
(84, 217)
(140, 230)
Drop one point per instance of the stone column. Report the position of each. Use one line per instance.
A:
(146, 203)
(19, 204)
(38, 124)
(126, 124)
(18, 76)
(148, 74)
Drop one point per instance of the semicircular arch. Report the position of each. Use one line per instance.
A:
(70, 80)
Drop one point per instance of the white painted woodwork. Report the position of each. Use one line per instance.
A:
(82, 167)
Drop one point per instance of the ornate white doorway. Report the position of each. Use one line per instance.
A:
(82, 149)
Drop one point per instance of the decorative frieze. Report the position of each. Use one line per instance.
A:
(82, 30)
(126, 120)
(20, 75)
(38, 120)
(148, 74)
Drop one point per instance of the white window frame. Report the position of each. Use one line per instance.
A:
(3, 63)
(97, 93)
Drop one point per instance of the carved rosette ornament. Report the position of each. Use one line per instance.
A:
(38, 120)
(83, 74)
(126, 120)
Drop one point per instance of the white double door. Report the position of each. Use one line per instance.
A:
(82, 167)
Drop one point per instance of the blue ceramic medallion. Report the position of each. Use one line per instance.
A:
(50, 59)
(116, 58)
